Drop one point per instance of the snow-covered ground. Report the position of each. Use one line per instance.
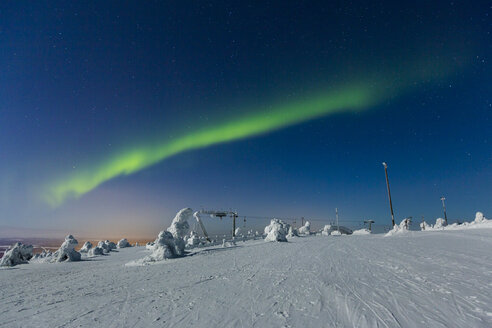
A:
(417, 279)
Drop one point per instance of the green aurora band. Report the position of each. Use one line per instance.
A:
(76, 184)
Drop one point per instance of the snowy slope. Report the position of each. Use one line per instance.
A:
(419, 279)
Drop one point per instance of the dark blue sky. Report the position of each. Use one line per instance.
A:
(80, 79)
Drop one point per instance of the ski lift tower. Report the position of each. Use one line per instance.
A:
(369, 222)
(222, 214)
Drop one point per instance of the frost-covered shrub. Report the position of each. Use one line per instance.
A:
(110, 245)
(67, 251)
(440, 223)
(327, 229)
(95, 251)
(107, 246)
(104, 246)
(16, 254)
(479, 218)
(179, 226)
(277, 230)
(305, 229)
(292, 232)
(425, 226)
(193, 240)
(399, 229)
(43, 256)
(164, 248)
(123, 243)
(85, 248)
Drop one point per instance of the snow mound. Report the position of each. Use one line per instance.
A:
(106, 245)
(425, 226)
(479, 218)
(16, 254)
(399, 229)
(305, 229)
(67, 252)
(166, 246)
(150, 246)
(480, 222)
(95, 251)
(277, 230)
(440, 223)
(361, 232)
(179, 226)
(335, 233)
(193, 240)
(87, 246)
(123, 243)
(326, 230)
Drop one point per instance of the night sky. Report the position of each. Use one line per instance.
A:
(114, 115)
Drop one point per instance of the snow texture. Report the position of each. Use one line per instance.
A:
(123, 243)
(277, 230)
(16, 254)
(67, 251)
(427, 279)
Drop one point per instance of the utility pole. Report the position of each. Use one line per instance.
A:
(389, 193)
(234, 216)
(336, 213)
(302, 222)
(444, 208)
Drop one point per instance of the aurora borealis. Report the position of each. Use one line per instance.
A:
(346, 99)
(117, 115)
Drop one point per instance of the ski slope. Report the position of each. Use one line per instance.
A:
(418, 279)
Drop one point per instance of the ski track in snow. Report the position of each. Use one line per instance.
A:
(431, 279)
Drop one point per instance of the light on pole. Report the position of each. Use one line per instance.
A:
(389, 193)
(444, 209)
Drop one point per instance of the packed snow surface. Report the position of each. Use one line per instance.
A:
(415, 279)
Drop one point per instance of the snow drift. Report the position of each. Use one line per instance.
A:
(480, 222)
(362, 232)
(277, 230)
(16, 254)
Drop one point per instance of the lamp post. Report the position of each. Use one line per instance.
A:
(444, 208)
(389, 193)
